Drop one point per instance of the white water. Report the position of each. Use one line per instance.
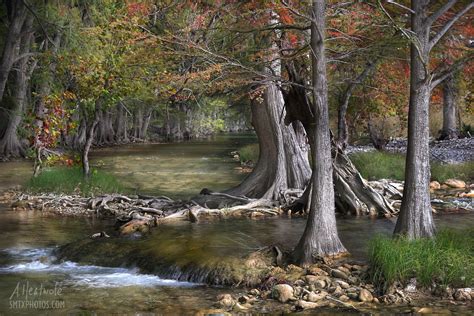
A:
(40, 260)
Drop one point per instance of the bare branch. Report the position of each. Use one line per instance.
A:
(432, 18)
(448, 25)
(440, 76)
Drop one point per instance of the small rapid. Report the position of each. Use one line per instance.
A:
(42, 260)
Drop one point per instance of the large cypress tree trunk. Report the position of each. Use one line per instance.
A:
(16, 16)
(283, 161)
(10, 144)
(320, 235)
(449, 130)
(415, 218)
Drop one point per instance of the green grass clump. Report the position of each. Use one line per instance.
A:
(443, 172)
(382, 165)
(447, 259)
(70, 180)
(249, 153)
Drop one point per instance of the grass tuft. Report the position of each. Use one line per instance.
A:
(70, 180)
(382, 165)
(447, 259)
(249, 153)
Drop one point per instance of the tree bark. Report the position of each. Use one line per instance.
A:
(283, 161)
(90, 129)
(16, 16)
(449, 130)
(10, 144)
(320, 235)
(416, 218)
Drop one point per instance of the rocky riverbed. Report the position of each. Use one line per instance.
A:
(445, 151)
(343, 285)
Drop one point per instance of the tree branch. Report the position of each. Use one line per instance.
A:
(440, 76)
(448, 25)
(432, 18)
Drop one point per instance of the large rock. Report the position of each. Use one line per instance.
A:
(365, 295)
(283, 292)
(454, 183)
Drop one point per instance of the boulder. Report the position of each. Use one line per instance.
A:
(456, 184)
(365, 295)
(282, 292)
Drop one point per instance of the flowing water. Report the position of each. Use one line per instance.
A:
(32, 282)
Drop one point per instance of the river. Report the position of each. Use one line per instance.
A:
(28, 240)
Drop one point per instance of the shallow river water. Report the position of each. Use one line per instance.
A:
(28, 240)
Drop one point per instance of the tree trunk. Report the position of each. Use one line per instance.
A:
(283, 161)
(121, 133)
(40, 106)
(320, 235)
(342, 133)
(415, 218)
(16, 16)
(353, 193)
(146, 123)
(450, 130)
(10, 144)
(90, 129)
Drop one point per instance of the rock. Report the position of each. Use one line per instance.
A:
(339, 274)
(463, 294)
(315, 270)
(299, 283)
(343, 284)
(435, 185)
(411, 286)
(255, 292)
(376, 300)
(424, 310)
(365, 295)
(225, 301)
(469, 194)
(318, 281)
(353, 295)
(337, 291)
(344, 298)
(315, 297)
(454, 183)
(344, 269)
(282, 292)
(239, 307)
(302, 304)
